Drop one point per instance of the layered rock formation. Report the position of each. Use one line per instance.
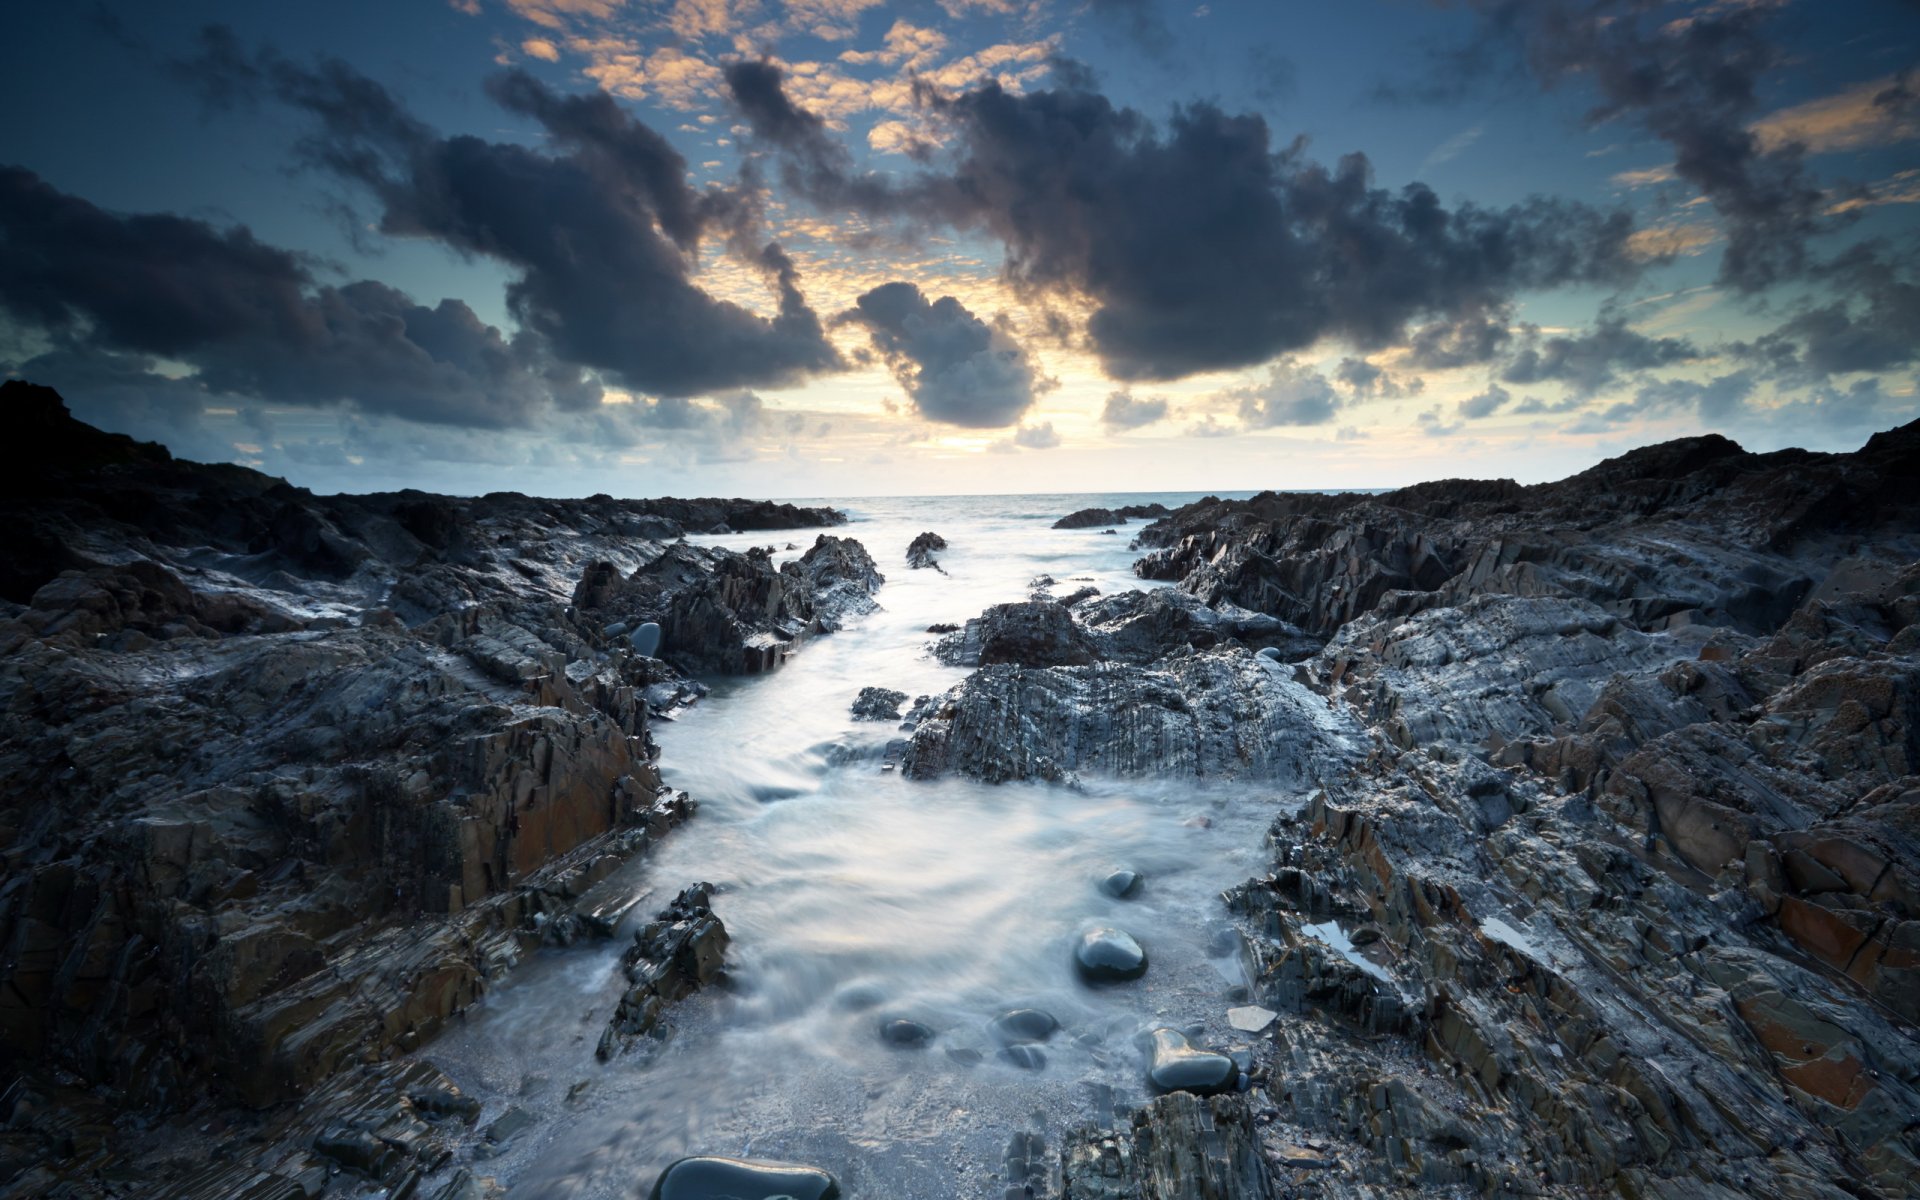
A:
(1607, 882)
(287, 780)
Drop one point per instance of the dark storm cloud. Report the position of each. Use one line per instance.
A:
(1692, 82)
(251, 318)
(1202, 247)
(601, 225)
(1122, 411)
(955, 367)
(1592, 361)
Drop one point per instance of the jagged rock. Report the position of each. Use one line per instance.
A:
(1142, 626)
(878, 704)
(1179, 1147)
(679, 951)
(920, 552)
(1094, 518)
(1032, 633)
(1215, 713)
(714, 1178)
(1175, 1064)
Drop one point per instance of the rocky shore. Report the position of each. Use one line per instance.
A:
(288, 781)
(1601, 875)
(1608, 880)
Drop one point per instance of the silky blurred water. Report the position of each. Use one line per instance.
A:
(948, 902)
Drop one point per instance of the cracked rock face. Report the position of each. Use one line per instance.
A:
(288, 781)
(1608, 886)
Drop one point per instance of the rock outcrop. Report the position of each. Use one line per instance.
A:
(1620, 898)
(288, 781)
(920, 552)
(1097, 518)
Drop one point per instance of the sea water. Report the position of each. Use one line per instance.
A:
(854, 896)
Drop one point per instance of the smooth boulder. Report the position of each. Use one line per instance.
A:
(715, 1178)
(900, 1031)
(646, 639)
(1180, 1066)
(1121, 884)
(1022, 1026)
(1108, 955)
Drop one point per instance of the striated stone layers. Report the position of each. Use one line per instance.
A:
(287, 780)
(1614, 891)
(1220, 713)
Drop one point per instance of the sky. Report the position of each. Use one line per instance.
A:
(852, 247)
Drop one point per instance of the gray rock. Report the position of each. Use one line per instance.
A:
(1023, 1025)
(901, 1031)
(1122, 884)
(715, 1178)
(878, 704)
(1106, 955)
(1177, 1065)
(646, 639)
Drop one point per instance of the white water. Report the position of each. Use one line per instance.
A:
(951, 900)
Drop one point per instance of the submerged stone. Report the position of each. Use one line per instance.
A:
(903, 1032)
(1027, 1058)
(1122, 884)
(1022, 1025)
(1179, 1066)
(715, 1178)
(1108, 955)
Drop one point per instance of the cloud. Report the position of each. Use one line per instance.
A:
(955, 367)
(1207, 427)
(1122, 411)
(251, 320)
(1293, 395)
(1454, 146)
(1138, 23)
(541, 48)
(1590, 362)
(601, 225)
(1879, 112)
(1468, 340)
(1036, 437)
(1367, 381)
(1871, 326)
(1199, 246)
(1691, 82)
(1484, 404)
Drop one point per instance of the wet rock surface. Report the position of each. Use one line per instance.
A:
(680, 951)
(1605, 883)
(878, 704)
(1096, 518)
(1105, 955)
(920, 552)
(713, 1178)
(1175, 1064)
(288, 782)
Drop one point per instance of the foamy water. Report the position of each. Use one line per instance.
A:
(852, 895)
